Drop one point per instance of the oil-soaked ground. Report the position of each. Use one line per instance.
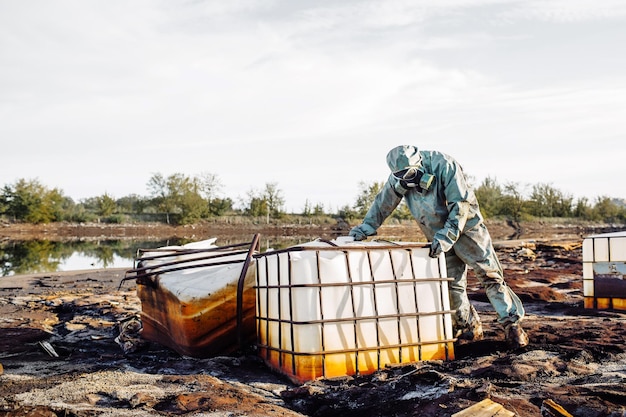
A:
(576, 357)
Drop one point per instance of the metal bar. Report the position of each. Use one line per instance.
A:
(182, 261)
(383, 316)
(267, 307)
(333, 248)
(258, 311)
(361, 349)
(319, 296)
(417, 307)
(395, 282)
(254, 246)
(280, 306)
(355, 321)
(180, 268)
(291, 330)
(377, 319)
(167, 252)
(442, 300)
(343, 284)
(267, 304)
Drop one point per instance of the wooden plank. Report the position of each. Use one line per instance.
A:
(551, 409)
(485, 408)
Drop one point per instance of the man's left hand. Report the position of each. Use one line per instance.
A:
(435, 249)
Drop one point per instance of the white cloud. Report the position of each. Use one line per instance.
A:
(565, 11)
(306, 94)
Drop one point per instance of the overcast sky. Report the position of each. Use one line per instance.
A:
(97, 96)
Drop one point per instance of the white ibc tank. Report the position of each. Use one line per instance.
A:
(604, 271)
(328, 309)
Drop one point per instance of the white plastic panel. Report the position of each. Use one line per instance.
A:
(588, 288)
(601, 249)
(618, 249)
(588, 250)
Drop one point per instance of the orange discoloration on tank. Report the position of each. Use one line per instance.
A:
(205, 327)
(301, 368)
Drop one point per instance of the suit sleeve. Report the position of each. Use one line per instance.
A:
(457, 194)
(384, 204)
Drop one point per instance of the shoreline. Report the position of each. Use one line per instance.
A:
(499, 230)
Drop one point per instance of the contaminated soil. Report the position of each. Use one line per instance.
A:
(62, 351)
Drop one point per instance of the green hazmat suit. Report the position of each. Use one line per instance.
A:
(449, 216)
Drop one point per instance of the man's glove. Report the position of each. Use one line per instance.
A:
(357, 233)
(435, 249)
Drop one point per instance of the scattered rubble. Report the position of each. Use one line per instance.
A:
(574, 365)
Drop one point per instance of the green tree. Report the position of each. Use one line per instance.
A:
(583, 209)
(163, 196)
(133, 203)
(307, 211)
(79, 213)
(209, 187)
(192, 206)
(489, 195)
(365, 198)
(5, 197)
(179, 195)
(348, 213)
(547, 201)
(310, 210)
(512, 202)
(256, 205)
(318, 210)
(106, 205)
(275, 201)
(267, 203)
(605, 209)
(32, 202)
(220, 206)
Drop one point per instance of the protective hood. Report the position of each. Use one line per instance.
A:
(402, 157)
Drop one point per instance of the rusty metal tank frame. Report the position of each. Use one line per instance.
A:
(148, 275)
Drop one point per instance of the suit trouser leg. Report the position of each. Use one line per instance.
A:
(476, 250)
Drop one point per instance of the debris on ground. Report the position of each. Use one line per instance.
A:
(575, 362)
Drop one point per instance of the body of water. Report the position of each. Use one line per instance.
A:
(43, 256)
(79, 261)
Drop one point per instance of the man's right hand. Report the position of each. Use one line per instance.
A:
(357, 233)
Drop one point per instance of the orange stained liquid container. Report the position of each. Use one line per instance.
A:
(327, 309)
(199, 327)
(189, 300)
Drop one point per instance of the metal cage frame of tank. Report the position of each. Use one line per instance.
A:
(604, 271)
(286, 360)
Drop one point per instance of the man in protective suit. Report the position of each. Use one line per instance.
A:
(436, 192)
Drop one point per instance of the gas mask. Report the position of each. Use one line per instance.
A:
(415, 178)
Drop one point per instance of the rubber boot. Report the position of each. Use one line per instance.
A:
(474, 329)
(516, 337)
